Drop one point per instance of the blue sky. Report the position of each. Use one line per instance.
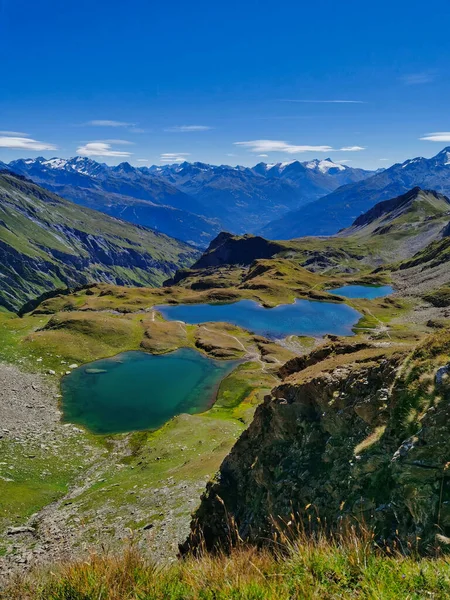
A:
(234, 82)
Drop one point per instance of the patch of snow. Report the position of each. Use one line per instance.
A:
(283, 165)
(410, 162)
(324, 165)
(55, 163)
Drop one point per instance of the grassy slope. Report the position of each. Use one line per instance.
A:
(62, 242)
(52, 210)
(432, 256)
(408, 229)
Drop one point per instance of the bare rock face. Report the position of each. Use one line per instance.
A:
(228, 249)
(360, 436)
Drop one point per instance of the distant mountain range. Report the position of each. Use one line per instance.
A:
(190, 201)
(244, 199)
(340, 208)
(47, 243)
(195, 201)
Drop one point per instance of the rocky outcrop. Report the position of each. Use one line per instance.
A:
(358, 437)
(228, 249)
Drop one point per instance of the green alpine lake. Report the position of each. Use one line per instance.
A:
(136, 390)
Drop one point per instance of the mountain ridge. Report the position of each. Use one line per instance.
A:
(398, 205)
(341, 207)
(47, 242)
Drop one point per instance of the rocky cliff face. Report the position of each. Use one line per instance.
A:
(353, 434)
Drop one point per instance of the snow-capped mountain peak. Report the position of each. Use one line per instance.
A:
(443, 157)
(283, 165)
(78, 164)
(324, 166)
(55, 163)
(85, 166)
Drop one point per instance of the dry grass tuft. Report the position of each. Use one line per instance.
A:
(302, 567)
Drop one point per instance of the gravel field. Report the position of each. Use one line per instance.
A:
(68, 528)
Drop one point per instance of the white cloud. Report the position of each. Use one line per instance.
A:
(101, 149)
(417, 78)
(169, 154)
(438, 136)
(14, 133)
(383, 159)
(351, 149)
(188, 128)
(25, 143)
(108, 123)
(325, 101)
(143, 160)
(173, 157)
(119, 142)
(263, 155)
(264, 146)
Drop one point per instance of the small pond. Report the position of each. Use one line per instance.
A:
(368, 292)
(303, 317)
(135, 390)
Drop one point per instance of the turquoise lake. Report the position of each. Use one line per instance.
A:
(363, 291)
(303, 317)
(135, 390)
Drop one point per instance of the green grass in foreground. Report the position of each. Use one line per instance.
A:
(306, 570)
(37, 472)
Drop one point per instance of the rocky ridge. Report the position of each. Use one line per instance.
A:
(357, 437)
